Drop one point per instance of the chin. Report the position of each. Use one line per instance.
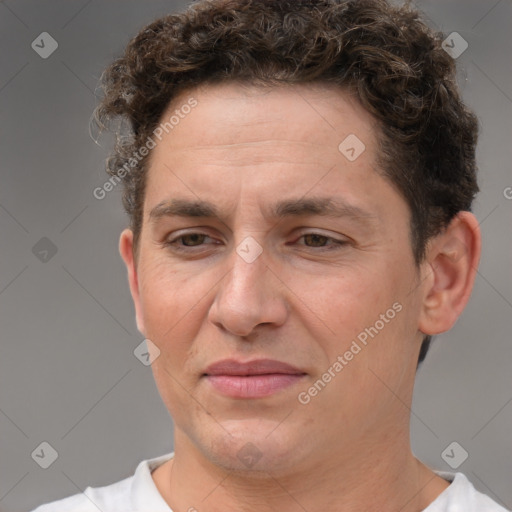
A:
(255, 446)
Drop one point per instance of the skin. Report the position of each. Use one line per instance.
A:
(302, 301)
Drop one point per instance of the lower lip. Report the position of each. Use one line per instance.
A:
(252, 386)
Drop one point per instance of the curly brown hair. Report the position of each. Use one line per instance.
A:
(386, 54)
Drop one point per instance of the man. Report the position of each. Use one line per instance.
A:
(299, 178)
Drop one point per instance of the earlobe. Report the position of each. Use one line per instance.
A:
(453, 258)
(126, 251)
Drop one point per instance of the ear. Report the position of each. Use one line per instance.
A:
(126, 250)
(451, 262)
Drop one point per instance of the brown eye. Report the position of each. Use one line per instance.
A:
(319, 241)
(315, 239)
(186, 241)
(194, 237)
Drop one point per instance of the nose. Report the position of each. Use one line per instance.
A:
(249, 295)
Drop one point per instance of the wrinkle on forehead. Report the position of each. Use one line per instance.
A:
(292, 109)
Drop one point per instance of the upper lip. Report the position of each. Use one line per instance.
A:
(254, 367)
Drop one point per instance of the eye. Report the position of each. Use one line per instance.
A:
(189, 240)
(186, 242)
(317, 240)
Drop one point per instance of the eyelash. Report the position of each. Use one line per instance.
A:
(177, 248)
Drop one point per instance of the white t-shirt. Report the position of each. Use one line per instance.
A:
(138, 493)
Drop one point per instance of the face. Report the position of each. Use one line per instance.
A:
(270, 272)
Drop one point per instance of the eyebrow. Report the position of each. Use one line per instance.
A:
(323, 206)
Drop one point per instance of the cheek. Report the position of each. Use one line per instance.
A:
(338, 304)
(171, 300)
(363, 316)
(173, 308)
(173, 314)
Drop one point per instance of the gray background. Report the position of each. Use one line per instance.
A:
(68, 375)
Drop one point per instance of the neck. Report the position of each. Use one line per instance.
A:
(389, 479)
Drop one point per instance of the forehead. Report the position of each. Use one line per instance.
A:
(247, 144)
(233, 112)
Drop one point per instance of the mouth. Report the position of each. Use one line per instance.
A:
(252, 386)
(252, 379)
